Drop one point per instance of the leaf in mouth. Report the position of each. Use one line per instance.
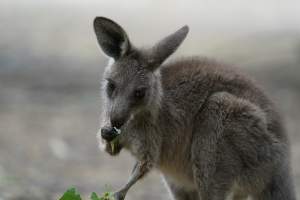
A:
(114, 143)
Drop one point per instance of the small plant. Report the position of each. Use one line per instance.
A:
(105, 196)
(71, 194)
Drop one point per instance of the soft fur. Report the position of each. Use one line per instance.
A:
(208, 128)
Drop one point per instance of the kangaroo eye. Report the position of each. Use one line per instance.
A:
(110, 88)
(140, 93)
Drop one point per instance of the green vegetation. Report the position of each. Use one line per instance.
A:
(114, 143)
(71, 194)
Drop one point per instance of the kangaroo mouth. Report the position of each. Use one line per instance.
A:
(114, 147)
(118, 131)
(110, 136)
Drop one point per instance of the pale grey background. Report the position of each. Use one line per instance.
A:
(50, 67)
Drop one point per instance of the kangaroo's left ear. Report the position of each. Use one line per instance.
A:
(167, 46)
(111, 37)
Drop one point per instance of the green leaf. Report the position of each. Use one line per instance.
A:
(107, 196)
(71, 194)
(94, 196)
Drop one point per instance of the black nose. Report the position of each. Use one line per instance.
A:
(108, 133)
(116, 122)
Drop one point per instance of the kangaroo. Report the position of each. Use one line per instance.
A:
(210, 130)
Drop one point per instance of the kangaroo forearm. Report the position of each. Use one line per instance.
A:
(139, 171)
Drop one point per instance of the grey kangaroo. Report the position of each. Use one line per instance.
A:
(211, 131)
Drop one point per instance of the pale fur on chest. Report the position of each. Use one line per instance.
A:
(142, 140)
(178, 175)
(168, 147)
(175, 162)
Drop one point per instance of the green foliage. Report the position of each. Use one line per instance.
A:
(105, 196)
(71, 194)
(94, 196)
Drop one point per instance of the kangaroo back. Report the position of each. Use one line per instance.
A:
(207, 127)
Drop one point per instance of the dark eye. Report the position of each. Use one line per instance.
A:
(140, 93)
(110, 88)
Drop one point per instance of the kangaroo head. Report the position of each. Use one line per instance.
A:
(131, 81)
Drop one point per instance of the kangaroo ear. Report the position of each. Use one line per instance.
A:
(164, 48)
(111, 37)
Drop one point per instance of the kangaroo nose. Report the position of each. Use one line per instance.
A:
(108, 133)
(116, 122)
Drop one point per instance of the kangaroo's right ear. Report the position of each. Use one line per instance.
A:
(111, 37)
(164, 48)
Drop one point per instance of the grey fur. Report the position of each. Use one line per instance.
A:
(205, 126)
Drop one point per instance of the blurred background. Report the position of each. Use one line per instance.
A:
(50, 69)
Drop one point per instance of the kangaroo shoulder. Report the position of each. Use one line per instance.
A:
(186, 70)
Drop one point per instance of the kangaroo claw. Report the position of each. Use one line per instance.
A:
(119, 195)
